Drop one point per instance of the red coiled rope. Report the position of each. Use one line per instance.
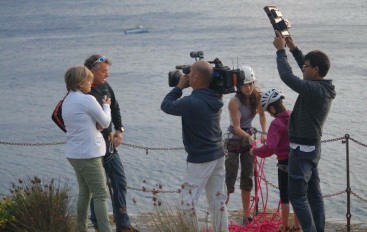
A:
(260, 221)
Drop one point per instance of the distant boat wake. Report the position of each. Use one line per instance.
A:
(136, 30)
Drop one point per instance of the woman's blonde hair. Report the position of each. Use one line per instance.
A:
(76, 75)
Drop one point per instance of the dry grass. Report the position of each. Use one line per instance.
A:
(167, 217)
(145, 223)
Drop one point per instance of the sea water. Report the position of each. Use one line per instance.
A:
(40, 40)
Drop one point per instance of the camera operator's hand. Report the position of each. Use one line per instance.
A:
(279, 41)
(290, 43)
(183, 82)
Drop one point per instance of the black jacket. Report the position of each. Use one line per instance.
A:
(98, 93)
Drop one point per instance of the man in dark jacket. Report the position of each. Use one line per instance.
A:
(305, 129)
(99, 66)
(202, 138)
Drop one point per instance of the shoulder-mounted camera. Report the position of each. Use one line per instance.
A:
(224, 81)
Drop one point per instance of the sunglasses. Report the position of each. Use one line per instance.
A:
(99, 60)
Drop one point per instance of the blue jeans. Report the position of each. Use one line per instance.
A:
(304, 189)
(115, 172)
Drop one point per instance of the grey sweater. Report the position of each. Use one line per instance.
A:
(312, 105)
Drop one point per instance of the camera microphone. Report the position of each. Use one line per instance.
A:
(197, 54)
(104, 93)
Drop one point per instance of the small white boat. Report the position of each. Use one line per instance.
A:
(136, 30)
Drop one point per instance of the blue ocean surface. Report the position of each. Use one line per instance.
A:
(40, 40)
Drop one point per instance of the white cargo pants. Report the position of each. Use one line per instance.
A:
(208, 176)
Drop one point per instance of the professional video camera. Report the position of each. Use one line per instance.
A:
(225, 80)
(276, 19)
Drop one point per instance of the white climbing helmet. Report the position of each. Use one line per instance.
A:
(249, 75)
(269, 97)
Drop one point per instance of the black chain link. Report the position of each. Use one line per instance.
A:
(32, 144)
(357, 142)
(124, 144)
(334, 194)
(154, 191)
(269, 183)
(332, 140)
(325, 196)
(357, 196)
(153, 148)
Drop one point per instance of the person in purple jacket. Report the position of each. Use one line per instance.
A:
(278, 144)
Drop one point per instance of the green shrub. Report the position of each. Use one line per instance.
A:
(40, 207)
(6, 212)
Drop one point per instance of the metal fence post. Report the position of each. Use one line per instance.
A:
(348, 189)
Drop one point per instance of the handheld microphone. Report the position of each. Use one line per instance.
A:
(104, 92)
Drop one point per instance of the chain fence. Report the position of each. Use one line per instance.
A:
(144, 147)
(31, 144)
(357, 142)
(155, 191)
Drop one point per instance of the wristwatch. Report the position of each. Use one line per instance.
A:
(121, 129)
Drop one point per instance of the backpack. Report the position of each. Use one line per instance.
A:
(57, 115)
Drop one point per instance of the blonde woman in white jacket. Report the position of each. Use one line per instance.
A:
(84, 118)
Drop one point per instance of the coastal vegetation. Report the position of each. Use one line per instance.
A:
(48, 205)
(37, 205)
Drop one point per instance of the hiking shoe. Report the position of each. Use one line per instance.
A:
(128, 229)
(247, 221)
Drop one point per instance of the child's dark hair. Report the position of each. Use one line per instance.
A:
(278, 106)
